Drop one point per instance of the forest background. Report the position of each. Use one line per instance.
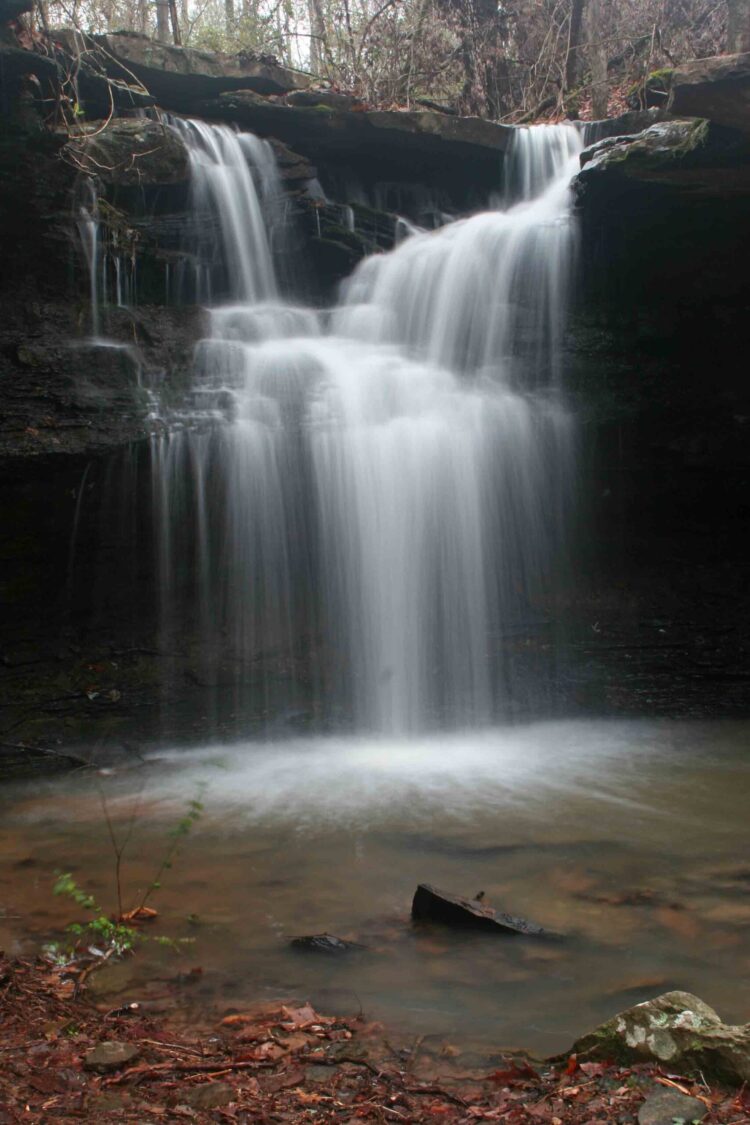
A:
(508, 60)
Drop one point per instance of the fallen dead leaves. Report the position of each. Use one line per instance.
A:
(289, 1064)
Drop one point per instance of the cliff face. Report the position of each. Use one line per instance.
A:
(654, 360)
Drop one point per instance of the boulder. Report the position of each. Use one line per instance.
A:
(626, 124)
(649, 151)
(432, 905)
(676, 1029)
(179, 76)
(717, 88)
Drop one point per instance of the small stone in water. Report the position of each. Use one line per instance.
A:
(327, 944)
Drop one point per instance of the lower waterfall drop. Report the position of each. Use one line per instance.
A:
(364, 501)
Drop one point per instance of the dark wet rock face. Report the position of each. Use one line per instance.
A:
(132, 153)
(64, 395)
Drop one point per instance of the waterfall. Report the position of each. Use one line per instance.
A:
(361, 503)
(110, 267)
(88, 233)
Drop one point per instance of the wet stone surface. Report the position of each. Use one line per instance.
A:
(665, 1107)
(110, 1056)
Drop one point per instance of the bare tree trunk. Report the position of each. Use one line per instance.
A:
(175, 22)
(482, 61)
(597, 52)
(162, 20)
(230, 16)
(43, 9)
(738, 26)
(318, 36)
(572, 58)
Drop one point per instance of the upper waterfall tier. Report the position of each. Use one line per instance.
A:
(235, 179)
(488, 289)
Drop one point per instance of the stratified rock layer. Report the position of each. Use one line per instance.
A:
(174, 74)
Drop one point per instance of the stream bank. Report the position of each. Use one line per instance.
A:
(68, 1060)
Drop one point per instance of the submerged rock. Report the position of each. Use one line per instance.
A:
(326, 944)
(433, 905)
(678, 1029)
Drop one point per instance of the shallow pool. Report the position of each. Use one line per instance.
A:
(631, 838)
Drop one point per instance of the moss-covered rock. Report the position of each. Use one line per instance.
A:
(688, 156)
(677, 1029)
(650, 151)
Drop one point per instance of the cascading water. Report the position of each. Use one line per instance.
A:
(370, 498)
(111, 270)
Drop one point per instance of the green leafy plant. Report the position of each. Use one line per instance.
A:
(104, 936)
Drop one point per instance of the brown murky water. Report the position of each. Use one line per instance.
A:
(631, 838)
